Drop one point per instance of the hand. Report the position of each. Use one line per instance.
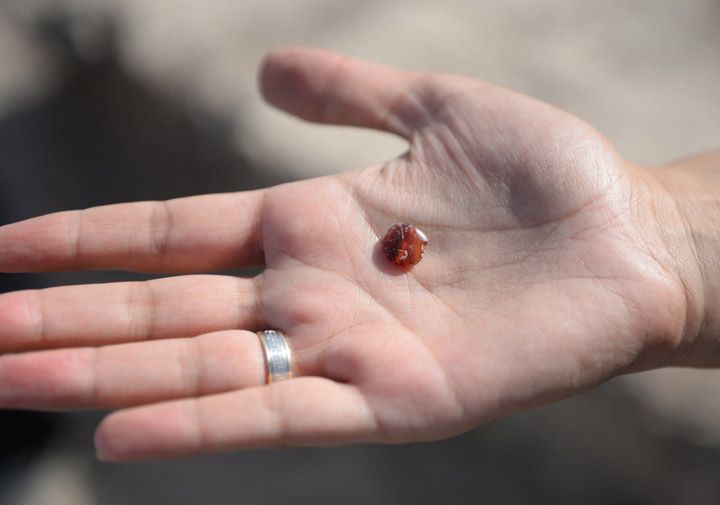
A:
(547, 272)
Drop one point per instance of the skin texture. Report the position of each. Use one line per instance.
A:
(554, 265)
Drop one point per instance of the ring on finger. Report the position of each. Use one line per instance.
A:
(278, 356)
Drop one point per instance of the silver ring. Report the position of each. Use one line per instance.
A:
(278, 356)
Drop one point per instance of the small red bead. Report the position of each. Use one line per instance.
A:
(404, 244)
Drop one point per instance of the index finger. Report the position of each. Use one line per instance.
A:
(199, 233)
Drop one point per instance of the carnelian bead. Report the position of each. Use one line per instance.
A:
(404, 244)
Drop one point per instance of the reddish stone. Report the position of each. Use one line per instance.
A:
(404, 244)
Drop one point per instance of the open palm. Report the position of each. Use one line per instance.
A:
(544, 276)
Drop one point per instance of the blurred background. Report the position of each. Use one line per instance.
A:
(111, 100)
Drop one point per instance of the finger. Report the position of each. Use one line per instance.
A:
(131, 374)
(303, 411)
(327, 87)
(201, 233)
(101, 314)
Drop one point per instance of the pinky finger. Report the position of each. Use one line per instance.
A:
(303, 411)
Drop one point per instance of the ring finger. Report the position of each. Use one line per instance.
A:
(132, 374)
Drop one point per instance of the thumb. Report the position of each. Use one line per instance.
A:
(326, 87)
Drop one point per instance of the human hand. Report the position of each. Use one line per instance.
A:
(549, 270)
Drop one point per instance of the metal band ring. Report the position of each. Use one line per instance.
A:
(278, 356)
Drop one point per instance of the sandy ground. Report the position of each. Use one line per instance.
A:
(161, 95)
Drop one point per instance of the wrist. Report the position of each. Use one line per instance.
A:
(687, 209)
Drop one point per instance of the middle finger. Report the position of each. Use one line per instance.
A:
(101, 314)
